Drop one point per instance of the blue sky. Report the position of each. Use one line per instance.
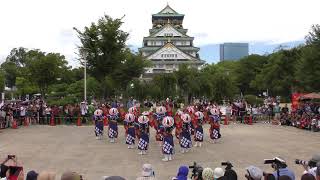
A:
(210, 52)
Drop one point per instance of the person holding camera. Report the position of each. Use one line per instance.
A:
(10, 169)
(280, 167)
(310, 166)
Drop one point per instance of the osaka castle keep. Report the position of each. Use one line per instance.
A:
(168, 44)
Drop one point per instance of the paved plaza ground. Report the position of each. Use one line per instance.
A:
(62, 148)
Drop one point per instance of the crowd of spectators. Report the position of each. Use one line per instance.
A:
(306, 116)
(12, 170)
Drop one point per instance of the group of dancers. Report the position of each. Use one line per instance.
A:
(186, 123)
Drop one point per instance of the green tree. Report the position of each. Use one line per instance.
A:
(18, 56)
(24, 86)
(2, 80)
(103, 47)
(45, 70)
(277, 75)
(187, 84)
(167, 83)
(246, 71)
(313, 38)
(10, 73)
(308, 69)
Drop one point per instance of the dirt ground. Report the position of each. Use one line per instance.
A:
(62, 148)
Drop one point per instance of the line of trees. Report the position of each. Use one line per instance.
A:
(114, 70)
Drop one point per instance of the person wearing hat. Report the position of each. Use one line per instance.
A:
(98, 121)
(143, 124)
(158, 116)
(185, 141)
(147, 173)
(130, 134)
(312, 165)
(178, 123)
(113, 118)
(214, 130)
(198, 135)
(254, 173)
(218, 173)
(207, 174)
(167, 143)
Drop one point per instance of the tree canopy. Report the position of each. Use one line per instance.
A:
(114, 70)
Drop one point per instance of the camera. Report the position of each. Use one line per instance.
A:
(306, 163)
(227, 164)
(275, 160)
(276, 163)
(301, 162)
(196, 171)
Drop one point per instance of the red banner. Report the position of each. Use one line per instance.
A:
(295, 101)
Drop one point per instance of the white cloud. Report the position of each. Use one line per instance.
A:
(47, 24)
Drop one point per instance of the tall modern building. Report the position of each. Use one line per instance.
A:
(168, 44)
(233, 51)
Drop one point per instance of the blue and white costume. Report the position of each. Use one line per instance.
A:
(214, 124)
(143, 122)
(159, 115)
(185, 137)
(168, 144)
(131, 132)
(113, 124)
(98, 121)
(198, 135)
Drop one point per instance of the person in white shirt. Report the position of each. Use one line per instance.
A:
(84, 111)
(48, 114)
(22, 114)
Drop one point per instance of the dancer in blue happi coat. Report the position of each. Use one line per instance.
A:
(167, 143)
(198, 135)
(131, 134)
(98, 121)
(158, 116)
(143, 126)
(185, 136)
(214, 130)
(113, 118)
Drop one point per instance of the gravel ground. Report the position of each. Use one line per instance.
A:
(62, 148)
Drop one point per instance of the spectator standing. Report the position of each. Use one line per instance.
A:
(48, 114)
(276, 111)
(84, 111)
